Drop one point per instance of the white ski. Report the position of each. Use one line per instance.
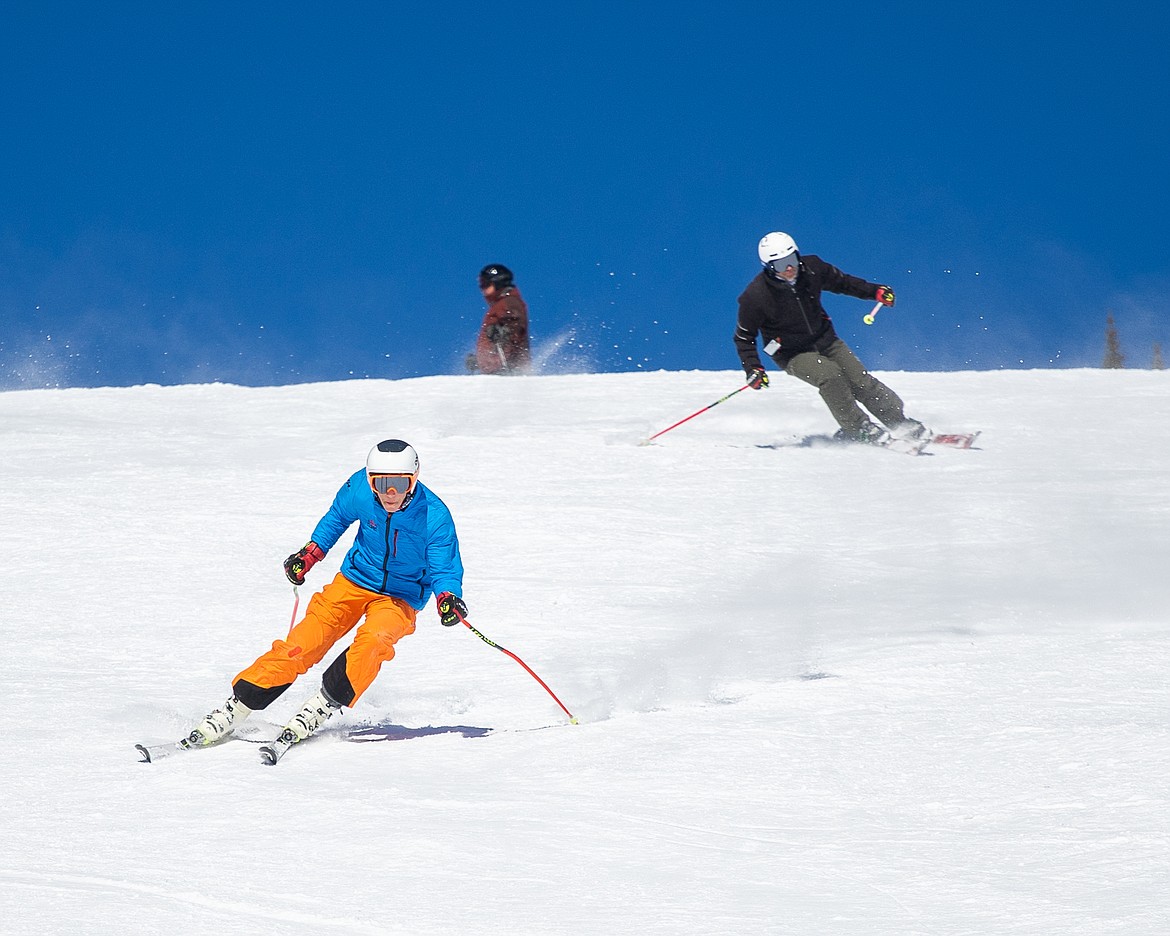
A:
(271, 753)
(894, 444)
(153, 752)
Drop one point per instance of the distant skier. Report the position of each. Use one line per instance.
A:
(502, 347)
(405, 548)
(782, 305)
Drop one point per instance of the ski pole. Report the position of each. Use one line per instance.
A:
(693, 415)
(868, 319)
(296, 604)
(492, 643)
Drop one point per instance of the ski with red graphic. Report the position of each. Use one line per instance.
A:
(960, 440)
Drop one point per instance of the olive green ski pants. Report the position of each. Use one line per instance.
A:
(844, 383)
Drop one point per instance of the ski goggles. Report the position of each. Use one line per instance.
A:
(780, 264)
(385, 483)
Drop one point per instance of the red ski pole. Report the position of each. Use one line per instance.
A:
(296, 604)
(492, 643)
(693, 415)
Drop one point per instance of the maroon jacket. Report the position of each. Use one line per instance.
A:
(503, 338)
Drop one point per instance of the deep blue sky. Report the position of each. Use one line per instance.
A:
(278, 192)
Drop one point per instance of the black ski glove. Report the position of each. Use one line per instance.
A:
(757, 377)
(451, 609)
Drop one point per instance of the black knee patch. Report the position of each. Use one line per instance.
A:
(336, 684)
(257, 697)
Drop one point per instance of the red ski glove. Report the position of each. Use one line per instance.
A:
(296, 565)
(885, 295)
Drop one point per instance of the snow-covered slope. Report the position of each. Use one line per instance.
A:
(821, 690)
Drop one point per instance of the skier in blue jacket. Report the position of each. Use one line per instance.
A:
(405, 549)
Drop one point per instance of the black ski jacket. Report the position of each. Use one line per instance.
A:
(792, 315)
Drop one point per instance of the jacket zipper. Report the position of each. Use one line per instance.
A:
(386, 561)
(804, 315)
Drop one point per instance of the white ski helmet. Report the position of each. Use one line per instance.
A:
(776, 246)
(392, 457)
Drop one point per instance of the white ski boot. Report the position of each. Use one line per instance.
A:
(318, 710)
(219, 723)
(912, 430)
(313, 714)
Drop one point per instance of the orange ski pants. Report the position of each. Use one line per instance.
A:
(332, 613)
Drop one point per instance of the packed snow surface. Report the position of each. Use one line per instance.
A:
(821, 689)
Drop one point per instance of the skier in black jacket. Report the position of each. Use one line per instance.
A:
(783, 306)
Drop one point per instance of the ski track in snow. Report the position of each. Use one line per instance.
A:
(92, 888)
(821, 689)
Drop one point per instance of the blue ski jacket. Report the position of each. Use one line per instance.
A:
(407, 554)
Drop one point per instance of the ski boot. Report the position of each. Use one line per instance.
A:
(868, 433)
(318, 710)
(218, 724)
(912, 430)
(313, 714)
